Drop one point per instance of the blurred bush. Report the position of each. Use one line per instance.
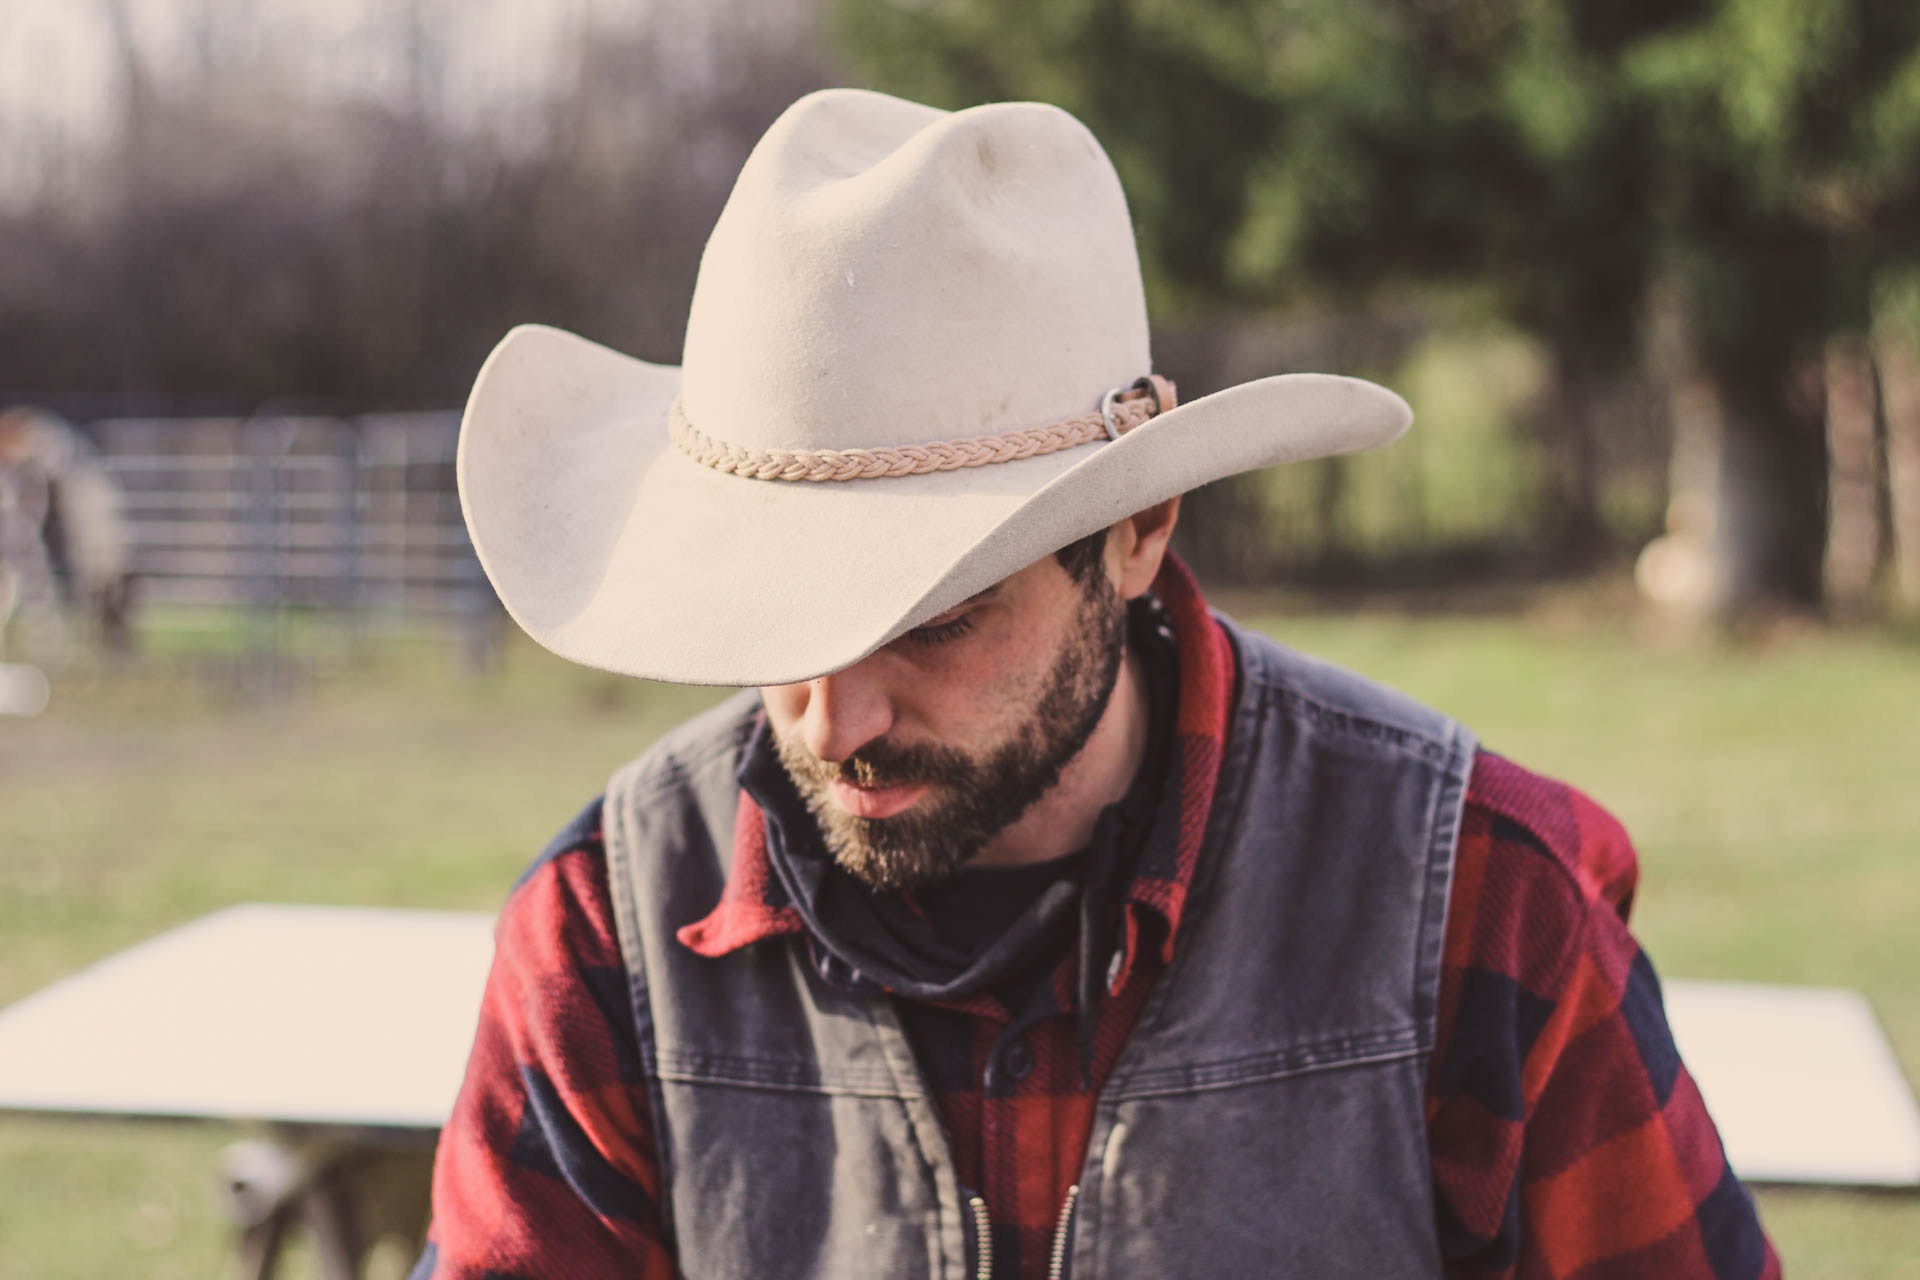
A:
(1709, 195)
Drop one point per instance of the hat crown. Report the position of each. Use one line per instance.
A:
(889, 274)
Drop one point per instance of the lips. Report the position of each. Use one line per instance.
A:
(874, 802)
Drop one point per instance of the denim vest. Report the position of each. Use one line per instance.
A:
(1266, 1117)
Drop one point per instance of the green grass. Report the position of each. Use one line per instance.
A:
(1770, 788)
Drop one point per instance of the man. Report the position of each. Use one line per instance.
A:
(1027, 920)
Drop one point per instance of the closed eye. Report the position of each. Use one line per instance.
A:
(952, 624)
(942, 632)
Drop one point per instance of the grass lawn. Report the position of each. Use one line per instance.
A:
(1771, 789)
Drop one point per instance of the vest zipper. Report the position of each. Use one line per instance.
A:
(1058, 1267)
(982, 1239)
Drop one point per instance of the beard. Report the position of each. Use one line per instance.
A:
(972, 797)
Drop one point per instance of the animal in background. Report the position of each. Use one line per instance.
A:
(62, 537)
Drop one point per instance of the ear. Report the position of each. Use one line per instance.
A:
(1137, 546)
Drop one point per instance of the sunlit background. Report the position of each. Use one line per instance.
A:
(1649, 273)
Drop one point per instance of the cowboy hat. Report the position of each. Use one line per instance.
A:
(916, 362)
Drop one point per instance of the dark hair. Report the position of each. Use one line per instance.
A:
(1082, 559)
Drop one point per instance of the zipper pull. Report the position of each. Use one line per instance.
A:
(1057, 1265)
(982, 1238)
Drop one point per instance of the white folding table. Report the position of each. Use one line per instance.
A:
(342, 1031)
(346, 1030)
(1801, 1081)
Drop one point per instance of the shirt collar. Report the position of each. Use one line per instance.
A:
(754, 906)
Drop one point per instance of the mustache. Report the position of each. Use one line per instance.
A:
(877, 764)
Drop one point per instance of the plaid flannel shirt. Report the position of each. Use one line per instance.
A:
(1566, 1138)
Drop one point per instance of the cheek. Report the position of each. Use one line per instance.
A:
(785, 705)
(975, 692)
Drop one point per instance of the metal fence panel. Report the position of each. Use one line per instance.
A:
(356, 514)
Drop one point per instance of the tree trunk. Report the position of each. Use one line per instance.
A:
(1679, 570)
(1565, 424)
(1896, 349)
(1773, 480)
(1744, 522)
(1853, 478)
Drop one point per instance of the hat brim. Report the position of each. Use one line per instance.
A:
(614, 549)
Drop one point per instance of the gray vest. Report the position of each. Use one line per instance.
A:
(1265, 1118)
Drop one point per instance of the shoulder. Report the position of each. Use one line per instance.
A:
(1559, 1122)
(579, 842)
(671, 823)
(1521, 824)
(1541, 876)
(1526, 912)
(1335, 698)
(693, 750)
(562, 902)
(569, 883)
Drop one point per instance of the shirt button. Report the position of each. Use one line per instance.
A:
(1018, 1060)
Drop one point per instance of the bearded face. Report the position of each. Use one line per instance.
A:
(976, 792)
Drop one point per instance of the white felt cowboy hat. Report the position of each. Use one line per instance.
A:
(915, 364)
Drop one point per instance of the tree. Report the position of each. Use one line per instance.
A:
(1896, 348)
(1736, 161)
(1788, 200)
(1331, 154)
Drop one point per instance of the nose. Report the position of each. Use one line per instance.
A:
(845, 711)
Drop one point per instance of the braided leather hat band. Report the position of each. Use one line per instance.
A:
(1121, 410)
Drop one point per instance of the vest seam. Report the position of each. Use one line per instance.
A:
(774, 1086)
(1328, 716)
(1444, 823)
(640, 999)
(1325, 1053)
(1433, 747)
(773, 1073)
(1261, 1068)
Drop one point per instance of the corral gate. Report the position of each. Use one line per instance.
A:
(355, 513)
